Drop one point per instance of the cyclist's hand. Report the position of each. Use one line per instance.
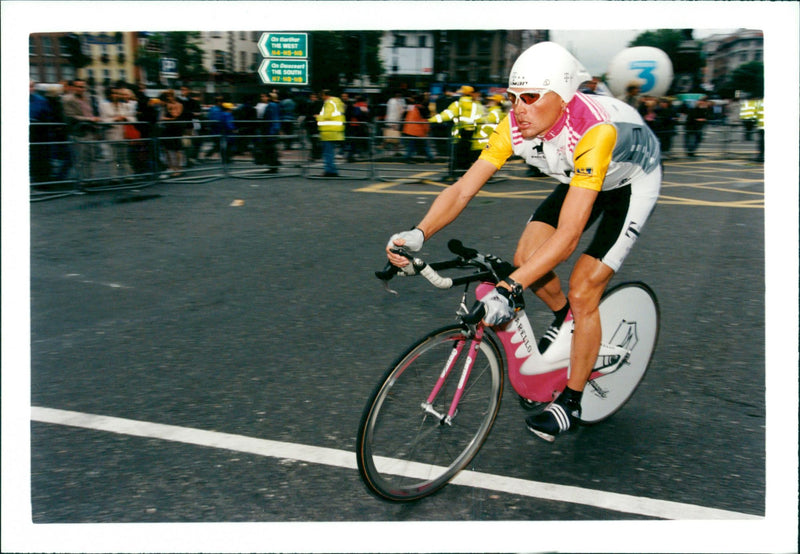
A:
(500, 306)
(410, 240)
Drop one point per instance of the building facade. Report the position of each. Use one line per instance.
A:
(420, 59)
(230, 51)
(724, 53)
(49, 59)
(110, 57)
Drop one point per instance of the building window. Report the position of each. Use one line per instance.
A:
(68, 72)
(31, 46)
(463, 44)
(47, 46)
(219, 60)
(50, 74)
(484, 44)
(122, 75)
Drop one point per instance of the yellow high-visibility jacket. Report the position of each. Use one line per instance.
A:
(464, 113)
(331, 120)
(487, 124)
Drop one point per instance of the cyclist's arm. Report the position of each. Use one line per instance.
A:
(452, 200)
(450, 203)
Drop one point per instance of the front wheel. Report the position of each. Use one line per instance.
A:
(630, 318)
(406, 449)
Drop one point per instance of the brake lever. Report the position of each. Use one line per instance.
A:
(385, 276)
(390, 270)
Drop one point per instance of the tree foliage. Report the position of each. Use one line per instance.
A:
(668, 40)
(747, 78)
(73, 49)
(335, 54)
(183, 46)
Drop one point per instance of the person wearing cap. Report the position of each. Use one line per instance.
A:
(464, 113)
(607, 163)
(222, 126)
(330, 122)
(488, 123)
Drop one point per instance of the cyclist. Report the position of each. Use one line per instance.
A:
(607, 162)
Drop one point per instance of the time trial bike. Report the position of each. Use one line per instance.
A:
(436, 404)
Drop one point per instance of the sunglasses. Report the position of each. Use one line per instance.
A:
(528, 97)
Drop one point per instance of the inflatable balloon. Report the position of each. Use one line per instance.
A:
(646, 66)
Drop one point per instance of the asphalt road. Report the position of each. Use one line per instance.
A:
(249, 308)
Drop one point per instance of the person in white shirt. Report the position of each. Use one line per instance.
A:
(115, 112)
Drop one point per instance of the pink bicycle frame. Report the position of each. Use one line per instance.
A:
(458, 347)
(533, 376)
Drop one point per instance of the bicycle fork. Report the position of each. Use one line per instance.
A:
(455, 354)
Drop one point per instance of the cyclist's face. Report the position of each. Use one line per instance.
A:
(536, 113)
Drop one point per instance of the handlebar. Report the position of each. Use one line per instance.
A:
(489, 268)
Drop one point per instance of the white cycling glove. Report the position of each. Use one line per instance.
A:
(414, 239)
(500, 307)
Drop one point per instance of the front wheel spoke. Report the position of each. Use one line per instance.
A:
(414, 448)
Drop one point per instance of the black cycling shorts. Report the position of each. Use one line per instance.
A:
(621, 221)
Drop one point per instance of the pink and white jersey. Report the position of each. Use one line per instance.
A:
(635, 149)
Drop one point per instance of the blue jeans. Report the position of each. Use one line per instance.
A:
(418, 146)
(329, 156)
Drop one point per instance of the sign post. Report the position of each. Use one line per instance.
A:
(169, 68)
(283, 72)
(285, 58)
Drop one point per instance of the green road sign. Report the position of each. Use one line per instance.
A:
(283, 72)
(283, 45)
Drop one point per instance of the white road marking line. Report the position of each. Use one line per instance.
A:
(89, 282)
(339, 458)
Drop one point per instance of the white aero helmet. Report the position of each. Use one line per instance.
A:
(546, 65)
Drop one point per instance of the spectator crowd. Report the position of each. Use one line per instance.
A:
(73, 129)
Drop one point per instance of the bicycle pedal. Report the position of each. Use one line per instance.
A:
(531, 405)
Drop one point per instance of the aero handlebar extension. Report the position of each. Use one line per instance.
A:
(489, 268)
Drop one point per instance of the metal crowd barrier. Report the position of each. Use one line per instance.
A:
(88, 158)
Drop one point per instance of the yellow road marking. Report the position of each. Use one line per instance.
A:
(427, 187)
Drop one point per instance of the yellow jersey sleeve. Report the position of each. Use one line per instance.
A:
(593, 155)
(499, 148)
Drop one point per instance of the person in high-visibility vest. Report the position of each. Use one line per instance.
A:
(489, 121)
(330, 122)
(464, 113)
(747, 114)
(760, 129)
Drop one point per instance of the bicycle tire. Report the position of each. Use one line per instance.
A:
(405, 453)
(629, 312)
